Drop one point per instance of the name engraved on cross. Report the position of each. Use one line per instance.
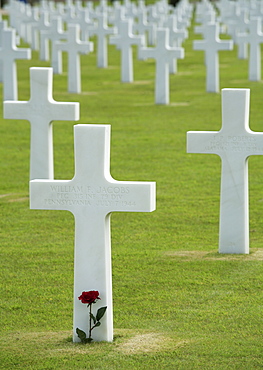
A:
(40, 111)
(234, 143)
(211, 45)
(91, 196)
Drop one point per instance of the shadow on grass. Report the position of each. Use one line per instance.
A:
(256, 254)
(56, 344)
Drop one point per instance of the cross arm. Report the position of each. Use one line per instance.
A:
(177, 52)
(199, 45)
(226, 45)
(24, 53)
(115, 40)
(202, 142)
(61, 46)
(63, 111)
(110, 31)
(178, 34)
(199, 30)
(113, 196)
(52, 110)
(85, 47)
(242, 37)
(139, 40)
(132, 196)
(147, 53)
(15, 109)
(51, 195)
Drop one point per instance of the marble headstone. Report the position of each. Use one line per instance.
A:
(163, 55)
(234, 143)
(40, 111)
(211, 45)
(124, 41)
(92, 195)
(74, 47)
(9, 53)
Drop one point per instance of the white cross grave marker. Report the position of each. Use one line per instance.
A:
(9, 53)
(124, 41)
(78, 5)
(255, 39)
(54, 33)
(57, 34)
(208, 16)
(176, 37)
(234, 143)
(40, 111)
(153, 18)
(101, 31)
(142, 26)
(74, 47)
(240, 34)
(30, 20)
(21, 16)
(211, 45)
(3, 26)
(91, 196)
(86, 22)
(117, 15)
(163, 54)
(42, 24)
(69, 15)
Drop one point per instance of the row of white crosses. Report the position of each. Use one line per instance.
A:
(164, 54)
(244, 31)
(92, 195)
(211, 45)
(252, 35)
(73, 44)
(92, 198)
(86, 17)
(9, 53)
(244, 24)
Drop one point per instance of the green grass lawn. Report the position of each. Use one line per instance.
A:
(178, 304)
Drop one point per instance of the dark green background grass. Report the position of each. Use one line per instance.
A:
(178, 304)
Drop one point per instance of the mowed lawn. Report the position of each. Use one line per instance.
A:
(178, 304)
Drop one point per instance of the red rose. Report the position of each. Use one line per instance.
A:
(89, 297)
